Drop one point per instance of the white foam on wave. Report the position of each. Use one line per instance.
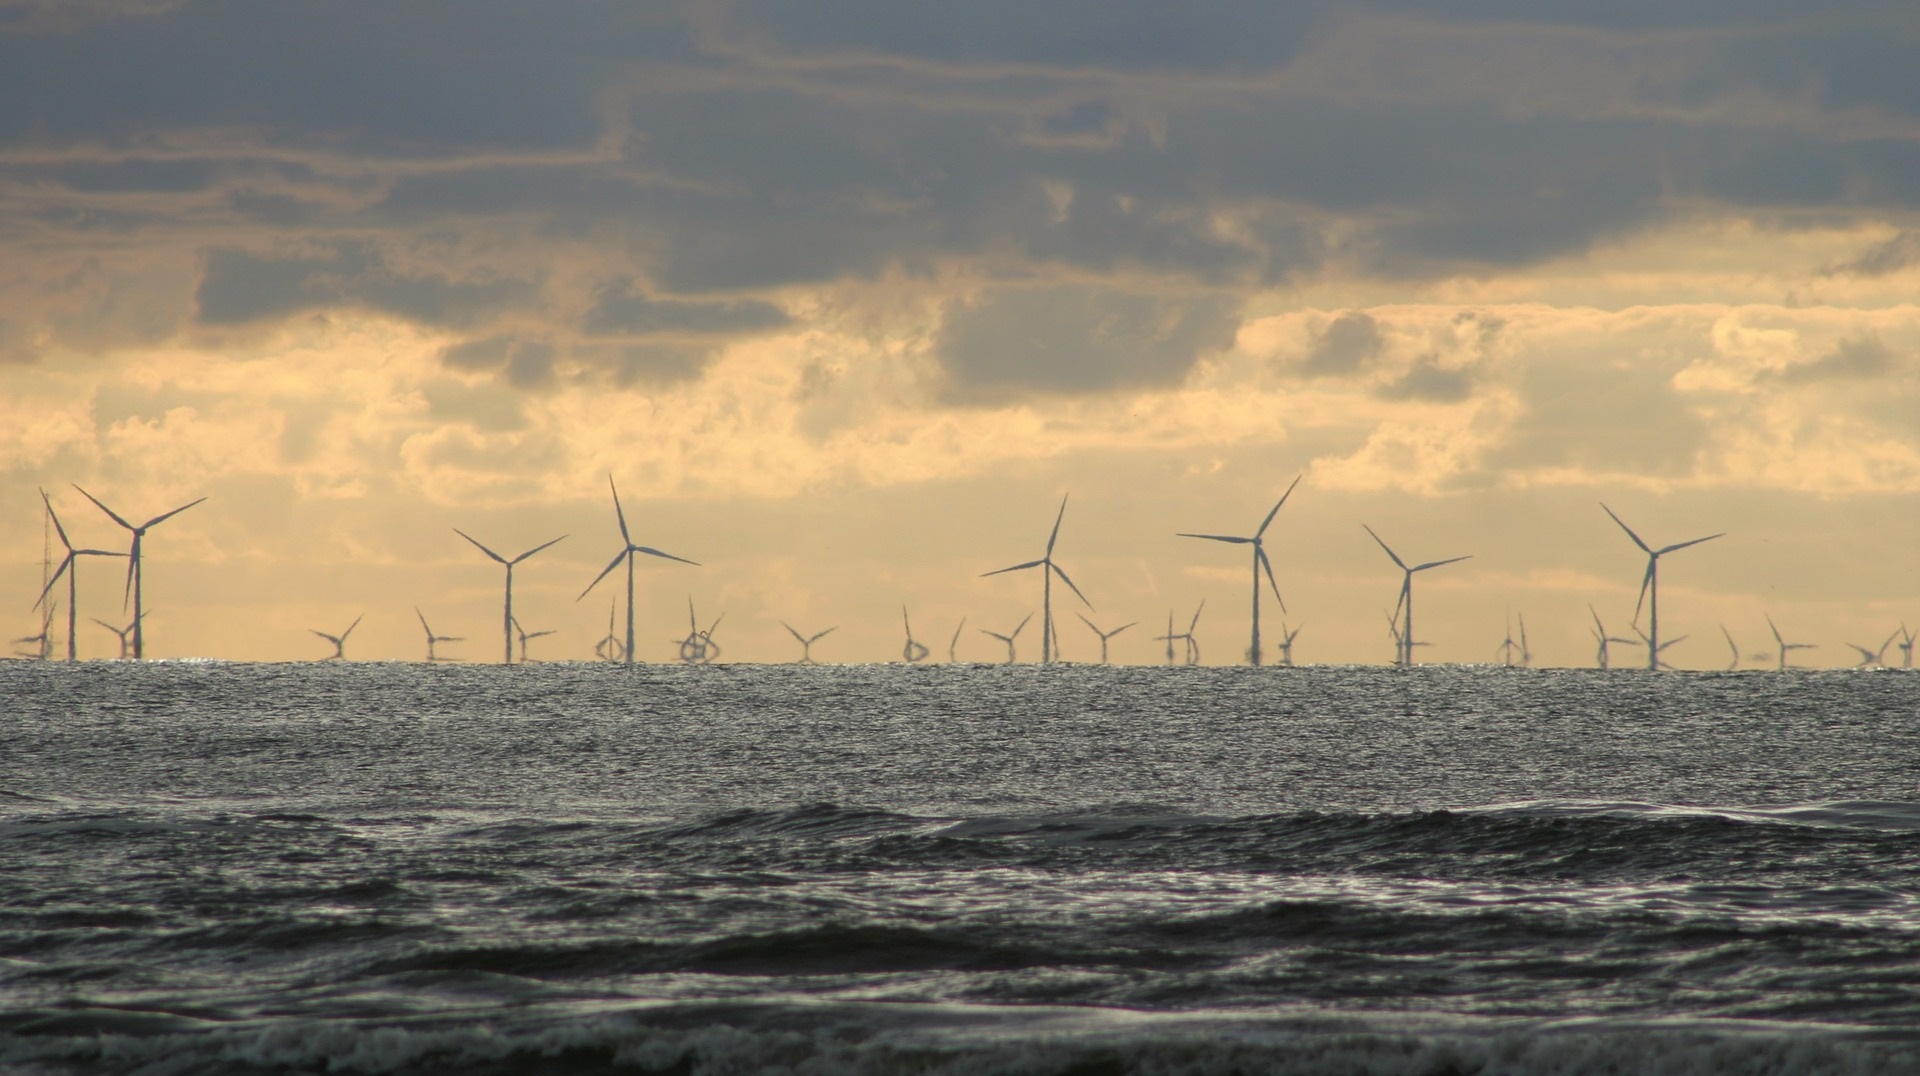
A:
(948, 1040)
(1838, 814)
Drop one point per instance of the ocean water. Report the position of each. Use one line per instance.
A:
(393, 868)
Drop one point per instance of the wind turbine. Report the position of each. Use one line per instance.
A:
(1733, 648)
(1906, 647)
(1008, 639)
(1400, 646)
(953, 644)
(698, 648)
(1654, 661)
(1508, 646)
(506, 617)
(526, 635)
(1867, 657)
(1650, 585)
(626, 554)
(1193, 645)
(608, 649)
(432, 638)
(1406, 593)
(1786, 646)
(913, 653)
(1048, 569)
(1168, 638)
(72, 571)
(43, 642)
(1260, 563)
(126, 644)
(134, 570)
(339, 641)
(807, 641)
(1603, 657)
(1106, 635)
(1286, 644)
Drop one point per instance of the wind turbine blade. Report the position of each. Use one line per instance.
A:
(652, 552)
(1439, 563)
(1195, 622)
(1696, 541)
(1218, 538)
(535, 549)
(133, 566)
(350, 627)
(1023, 623)
(1262, 532)
(477, 545)
(1015, 568)
(1644, 548)
(618, 512)
(796, 635)
(104, 624)
(1776, 632)
(604, 572)
(995, 634)
(1406, 592)
(48, 589)
(1062, 573)
(1396, 557)
(110, 512)
(55, 516)
(1266, 563)
(325, 636)
(1055, 536)
(823, 634)
(1646, 581)
(1090, 624)
(1601, 628)
(423, 621)
(164, 516)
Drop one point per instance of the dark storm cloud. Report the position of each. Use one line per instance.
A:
(238, 287)
(1076, 339)
(618, 312)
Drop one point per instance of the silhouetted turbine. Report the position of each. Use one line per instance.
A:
(1008, 639)
(913, 653)
(698, 648)
(953, 644)
(1105, 635)
(506, 615)
(1286, 644)
(1260, 563)
(1655, 662)
(1867, 657)
(1169, 638)
(1650, 586)
(526, 635)
(1733, 648)
(126, 643)
(608, 649)
(1400, 646)
(71, 569)
(1602, 656)
(134, 569)
(1193, 644)
(43, 642)
(339, 641)
(1405, 631)
(626, 554)
(806, 642)
(1048, 569)
(432, 638)
(1786, 646)
(1906, 647)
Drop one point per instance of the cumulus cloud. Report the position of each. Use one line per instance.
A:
(1346, 346)
(1855, 359)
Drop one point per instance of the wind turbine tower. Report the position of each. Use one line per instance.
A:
(1404, 606)
(626, 554)
(71, 569)
(1650, 586)
(134, 568)
(1260, 563)
(1785, 646)
(1048, 569)
(506, 616)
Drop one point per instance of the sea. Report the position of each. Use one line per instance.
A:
(1081, 870)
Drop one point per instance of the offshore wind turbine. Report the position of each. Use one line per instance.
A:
(339, 641)
(432, 638)
(1906, 647)
(506, 617)
(807, 641)
(1048, 569)
(1733, 648)
(526, 635)
(1602, 656)
(1009, 638)
(126, 643)
(698, 648)
(43, 642)
(1287, 636)
(1405, 631)
(1867, 657)
(1169, 638)
(1785, 646)
(1193, 644)
(626, 554)
(70, 567)
(1650, 585)
(913, 653)
(1106, 635)
(1654, 661)
(953, 644)
(608, 649)
(1261, 563)
(134, 569)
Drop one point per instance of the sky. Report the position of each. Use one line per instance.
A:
(847, 297)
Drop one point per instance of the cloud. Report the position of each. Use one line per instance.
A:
(238, 286)
(1347, 345)
(1427, 381)
(624, 313)
(1889, 256)
(1012, 340)
(1856, 359)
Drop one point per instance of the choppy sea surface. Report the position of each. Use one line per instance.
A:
(392, 868)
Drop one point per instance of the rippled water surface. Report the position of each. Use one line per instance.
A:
(406, 868)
